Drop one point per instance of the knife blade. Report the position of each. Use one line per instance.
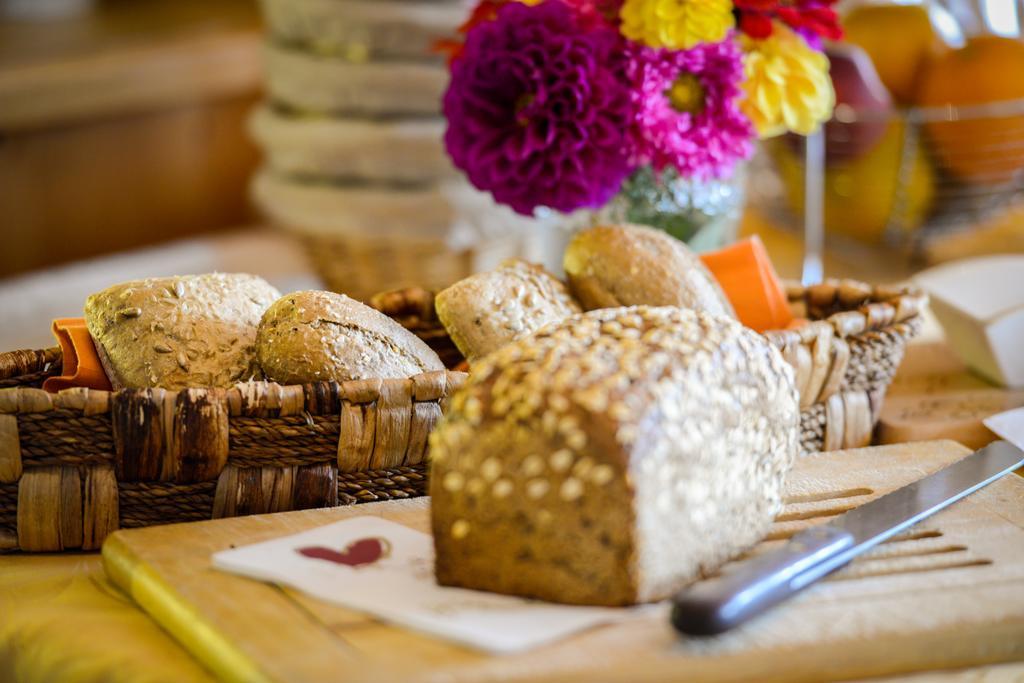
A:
(716, 605)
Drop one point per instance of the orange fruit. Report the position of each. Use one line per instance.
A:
(980, 149)
(900, 39)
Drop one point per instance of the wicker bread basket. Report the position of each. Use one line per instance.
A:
(77, 465)
(845, 357)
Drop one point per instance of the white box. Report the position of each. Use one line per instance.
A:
(980, 304)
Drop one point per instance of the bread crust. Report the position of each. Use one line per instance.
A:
(178, 332)
(632, 265)
(316, 336)
(488, 310)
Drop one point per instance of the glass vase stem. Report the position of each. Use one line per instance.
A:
(814, 209)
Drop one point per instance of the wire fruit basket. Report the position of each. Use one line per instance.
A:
(927, 174)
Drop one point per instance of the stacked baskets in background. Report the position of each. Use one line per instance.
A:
(351, 132)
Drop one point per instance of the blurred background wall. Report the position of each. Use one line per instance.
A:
(122, 124)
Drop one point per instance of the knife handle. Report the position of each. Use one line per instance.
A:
(719, 604)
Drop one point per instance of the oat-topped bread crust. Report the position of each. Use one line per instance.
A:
(317, 336)
(178, 332)
(488, 310)
(612, 458)
(631, 265)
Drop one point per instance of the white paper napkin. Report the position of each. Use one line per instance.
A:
(1008, 425)
(387, 570)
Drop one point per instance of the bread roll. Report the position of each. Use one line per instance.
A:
(612, 458)
(485, 311)
(630, 265)
(320, 336)
(177, 332)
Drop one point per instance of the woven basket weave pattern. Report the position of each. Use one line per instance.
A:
(28, 368)
(847, 356)
(77, 465)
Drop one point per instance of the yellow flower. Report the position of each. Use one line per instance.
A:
(786, 83)
(676, 24)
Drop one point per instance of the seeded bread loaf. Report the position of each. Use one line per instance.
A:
(319, 336)
(630, 265)
(612, 458)
(178, 332)
(485, 311)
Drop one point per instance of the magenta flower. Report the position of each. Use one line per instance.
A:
(687, 109)
(539, 109)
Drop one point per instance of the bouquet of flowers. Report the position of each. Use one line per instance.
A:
(555, 103)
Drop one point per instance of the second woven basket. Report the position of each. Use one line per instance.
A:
(845, 357)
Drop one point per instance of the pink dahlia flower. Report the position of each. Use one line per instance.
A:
(688, 114)
(539, 109)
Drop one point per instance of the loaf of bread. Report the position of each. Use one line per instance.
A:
(486, 311)
(612, 458)
(320, 336)
(178, 332)
(630, 265)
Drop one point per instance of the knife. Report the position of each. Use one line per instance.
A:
(719, 604)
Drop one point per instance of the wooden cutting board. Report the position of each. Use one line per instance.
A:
(949, 593)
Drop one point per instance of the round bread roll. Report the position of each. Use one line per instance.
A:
(320, 336)
(485, 311)
(179, 332)
(630, 265)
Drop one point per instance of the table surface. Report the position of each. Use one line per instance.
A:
(64, 621)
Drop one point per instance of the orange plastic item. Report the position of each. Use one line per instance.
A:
(745, 272)
(82, 367)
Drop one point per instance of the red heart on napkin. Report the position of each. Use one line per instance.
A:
(359, 553)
